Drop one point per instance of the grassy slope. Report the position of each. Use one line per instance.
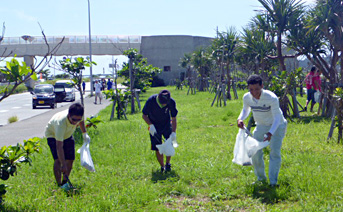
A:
(127, 174)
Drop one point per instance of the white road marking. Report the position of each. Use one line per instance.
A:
(16, 107)
(3, 111)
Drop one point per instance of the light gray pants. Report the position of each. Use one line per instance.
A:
(274, 156)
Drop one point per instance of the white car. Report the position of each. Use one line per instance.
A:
(69, 89)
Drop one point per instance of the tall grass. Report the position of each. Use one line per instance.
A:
(203, 178)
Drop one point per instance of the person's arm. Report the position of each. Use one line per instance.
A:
(82, 126)
(277, 116)
(174, 124)
(243, 115)
(146, 119)
(60, 154)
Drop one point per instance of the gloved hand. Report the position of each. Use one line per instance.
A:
(152, 129)
(86, 138)
(173, 139)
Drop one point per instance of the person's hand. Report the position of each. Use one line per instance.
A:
(173, 136)
(267, 136)
(86, 138)
(240, 124)
(173, 139)
(152, 129)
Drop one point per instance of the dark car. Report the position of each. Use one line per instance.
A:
(60, 93)
(43, 95)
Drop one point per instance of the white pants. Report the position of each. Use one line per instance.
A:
(274, 156)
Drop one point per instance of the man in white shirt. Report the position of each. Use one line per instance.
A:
(270, 126)
(97, 87)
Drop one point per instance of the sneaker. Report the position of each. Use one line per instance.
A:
(274, 185)
(66, 187)
(259, 183)
(162, 169)
(168, 167)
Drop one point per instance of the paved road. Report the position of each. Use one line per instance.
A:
(11, 134)
(20, 105)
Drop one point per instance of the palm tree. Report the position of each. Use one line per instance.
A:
(257, 47)
(202, 62)
(281, 13)
(224, 48)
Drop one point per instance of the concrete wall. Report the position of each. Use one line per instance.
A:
(167, 50)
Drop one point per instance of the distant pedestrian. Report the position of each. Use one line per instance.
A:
(311, 88)
(83, 87)
(97, 87)
(59, 133)
(270, 126)
(109, 84)
(159, 113)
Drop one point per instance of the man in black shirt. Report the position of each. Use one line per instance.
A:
(159, 113)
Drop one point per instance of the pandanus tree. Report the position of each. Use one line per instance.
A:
(202, 63)
(224, 48)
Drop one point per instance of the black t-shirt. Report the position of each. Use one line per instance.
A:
(159, 117)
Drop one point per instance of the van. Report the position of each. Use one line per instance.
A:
(69, 89)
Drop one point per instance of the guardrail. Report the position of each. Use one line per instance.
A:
(71, 39)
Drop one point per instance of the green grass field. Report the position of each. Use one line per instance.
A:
(203, 178)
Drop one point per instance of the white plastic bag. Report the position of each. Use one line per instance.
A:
(317, 96)
(166, 148)
(85, 157)
(240, 154)
(252, 145)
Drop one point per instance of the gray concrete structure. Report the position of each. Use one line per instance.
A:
(163, 51)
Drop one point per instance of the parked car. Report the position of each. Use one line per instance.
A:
(43, 95)
(69, 89)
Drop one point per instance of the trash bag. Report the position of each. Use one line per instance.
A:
(166, 148)
(252, 145)
(317, 96)
(85, 157)
(240, 153)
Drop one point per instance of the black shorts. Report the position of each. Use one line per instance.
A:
(157, 138)
(68, 147)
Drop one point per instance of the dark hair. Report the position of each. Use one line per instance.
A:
(76, 109)
(313, 68)
(254, 79)
(164, 96)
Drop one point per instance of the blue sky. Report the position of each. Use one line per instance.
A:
(123, 17)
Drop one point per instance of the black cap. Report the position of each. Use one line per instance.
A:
(164, 96)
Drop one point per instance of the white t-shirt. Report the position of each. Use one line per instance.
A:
(266, 110)
(97, 87)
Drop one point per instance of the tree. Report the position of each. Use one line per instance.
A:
(142, 73)
(224, 48)
(74, 69)
(202, 63)
(16, 73)
(282, 14)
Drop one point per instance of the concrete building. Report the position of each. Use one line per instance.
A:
(165, 52)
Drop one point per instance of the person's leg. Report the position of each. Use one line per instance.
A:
(96, 97)
(166, 135)
(69, 153)
(57, 172)
(308, 92)
(160, 158)
(156, 140)
(275, 154)
(57, 164)
(312, 99)
(69, 168)
(257, 159)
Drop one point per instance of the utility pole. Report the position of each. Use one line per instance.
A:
(131, 84)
